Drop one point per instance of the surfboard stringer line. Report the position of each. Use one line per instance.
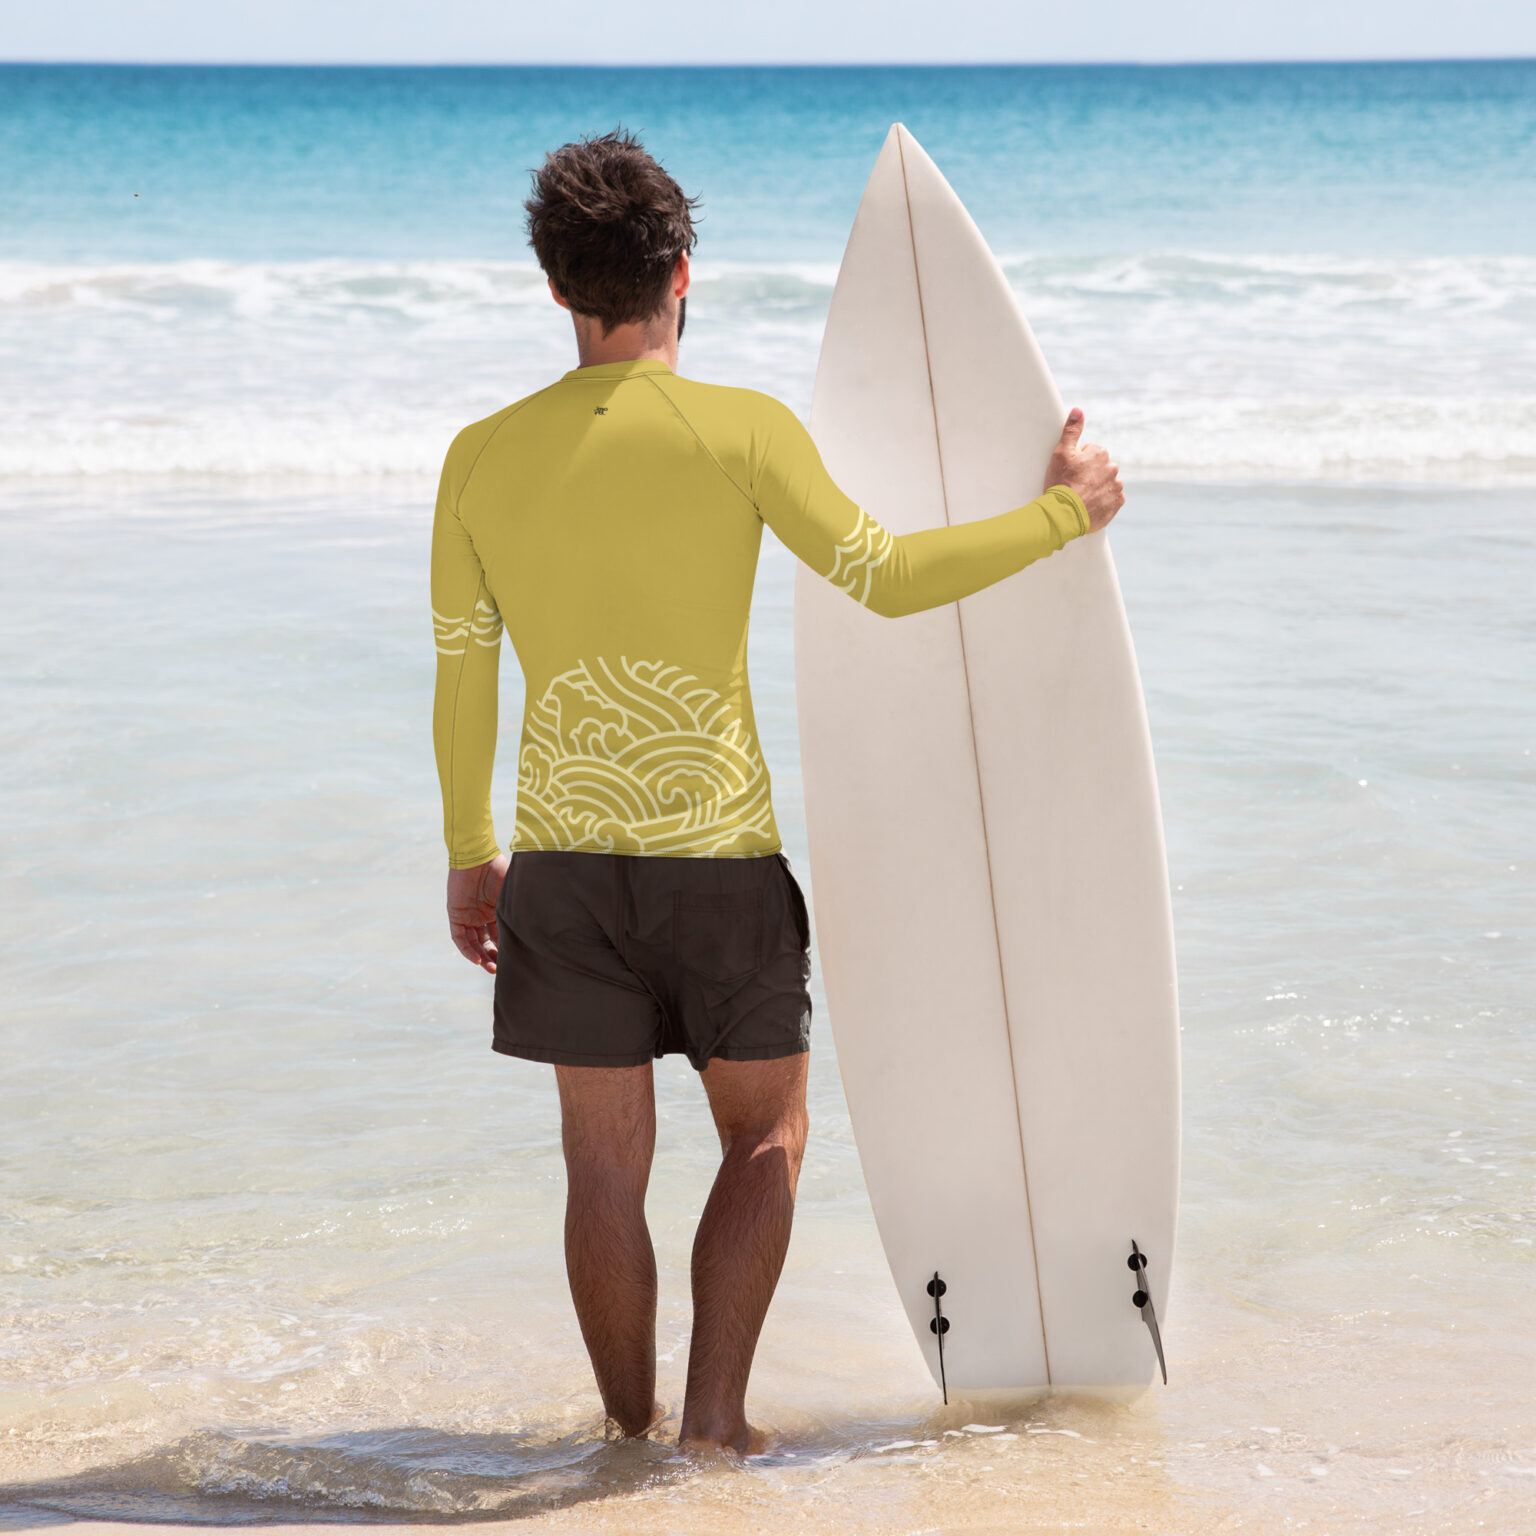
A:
(917, 275)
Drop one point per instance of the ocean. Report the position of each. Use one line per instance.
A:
(280, 1236)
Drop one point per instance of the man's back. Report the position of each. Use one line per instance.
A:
(621, 549)
(614, 521)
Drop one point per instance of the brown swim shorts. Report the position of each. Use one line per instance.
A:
(610, 960)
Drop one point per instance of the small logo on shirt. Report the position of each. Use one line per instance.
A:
(599, 410)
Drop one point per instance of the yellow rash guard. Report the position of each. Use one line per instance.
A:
(612, 521)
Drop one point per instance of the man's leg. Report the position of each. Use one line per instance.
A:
(608, 1129)
(759, 1109)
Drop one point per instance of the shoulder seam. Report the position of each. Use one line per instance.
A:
(678, 412)
(490, 438)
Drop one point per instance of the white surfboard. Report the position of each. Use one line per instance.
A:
(987, 863)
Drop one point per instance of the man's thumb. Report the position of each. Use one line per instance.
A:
(1073, 429)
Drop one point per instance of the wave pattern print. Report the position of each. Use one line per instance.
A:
(453, 636)
(640, 757)
(857, 556)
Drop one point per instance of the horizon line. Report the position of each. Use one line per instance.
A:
(784, 64)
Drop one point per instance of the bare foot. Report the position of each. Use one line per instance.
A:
(613, 1430)
(747, 1441)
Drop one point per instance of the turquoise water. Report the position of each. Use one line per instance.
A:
(292, 164)
(281, 1237)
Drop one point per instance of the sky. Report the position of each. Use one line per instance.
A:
(760, 31)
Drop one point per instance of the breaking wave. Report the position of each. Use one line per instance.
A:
(1195, 365)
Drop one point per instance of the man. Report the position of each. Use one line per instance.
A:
(612, 521)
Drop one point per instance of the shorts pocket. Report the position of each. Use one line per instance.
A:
(718, 936)
(797, 904)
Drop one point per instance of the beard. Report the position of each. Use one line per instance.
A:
(682, 315)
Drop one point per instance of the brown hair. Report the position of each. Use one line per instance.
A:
(608, 224)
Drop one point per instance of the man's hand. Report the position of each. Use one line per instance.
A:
(1085, 468)
(472, 897)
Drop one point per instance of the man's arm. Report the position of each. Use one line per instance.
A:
(895, 575)
(467, 628)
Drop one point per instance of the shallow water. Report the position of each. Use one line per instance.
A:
(282, 1235)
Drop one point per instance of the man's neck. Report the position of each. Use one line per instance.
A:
(643, 341)
(590, 357)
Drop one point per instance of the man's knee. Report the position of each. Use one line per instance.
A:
(608, 1162)
(603, 1157)
(781, 1133)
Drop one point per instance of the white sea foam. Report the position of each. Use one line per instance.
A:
(1193, 365)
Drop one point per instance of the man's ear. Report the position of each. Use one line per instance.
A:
(681, 275)
(554, 293)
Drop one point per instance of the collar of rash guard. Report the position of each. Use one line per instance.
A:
(625, 369)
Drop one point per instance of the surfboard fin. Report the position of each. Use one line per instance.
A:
(939, 1327)
(1141, 1298)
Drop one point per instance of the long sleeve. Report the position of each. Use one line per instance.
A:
(891, 574)
(467, 627)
